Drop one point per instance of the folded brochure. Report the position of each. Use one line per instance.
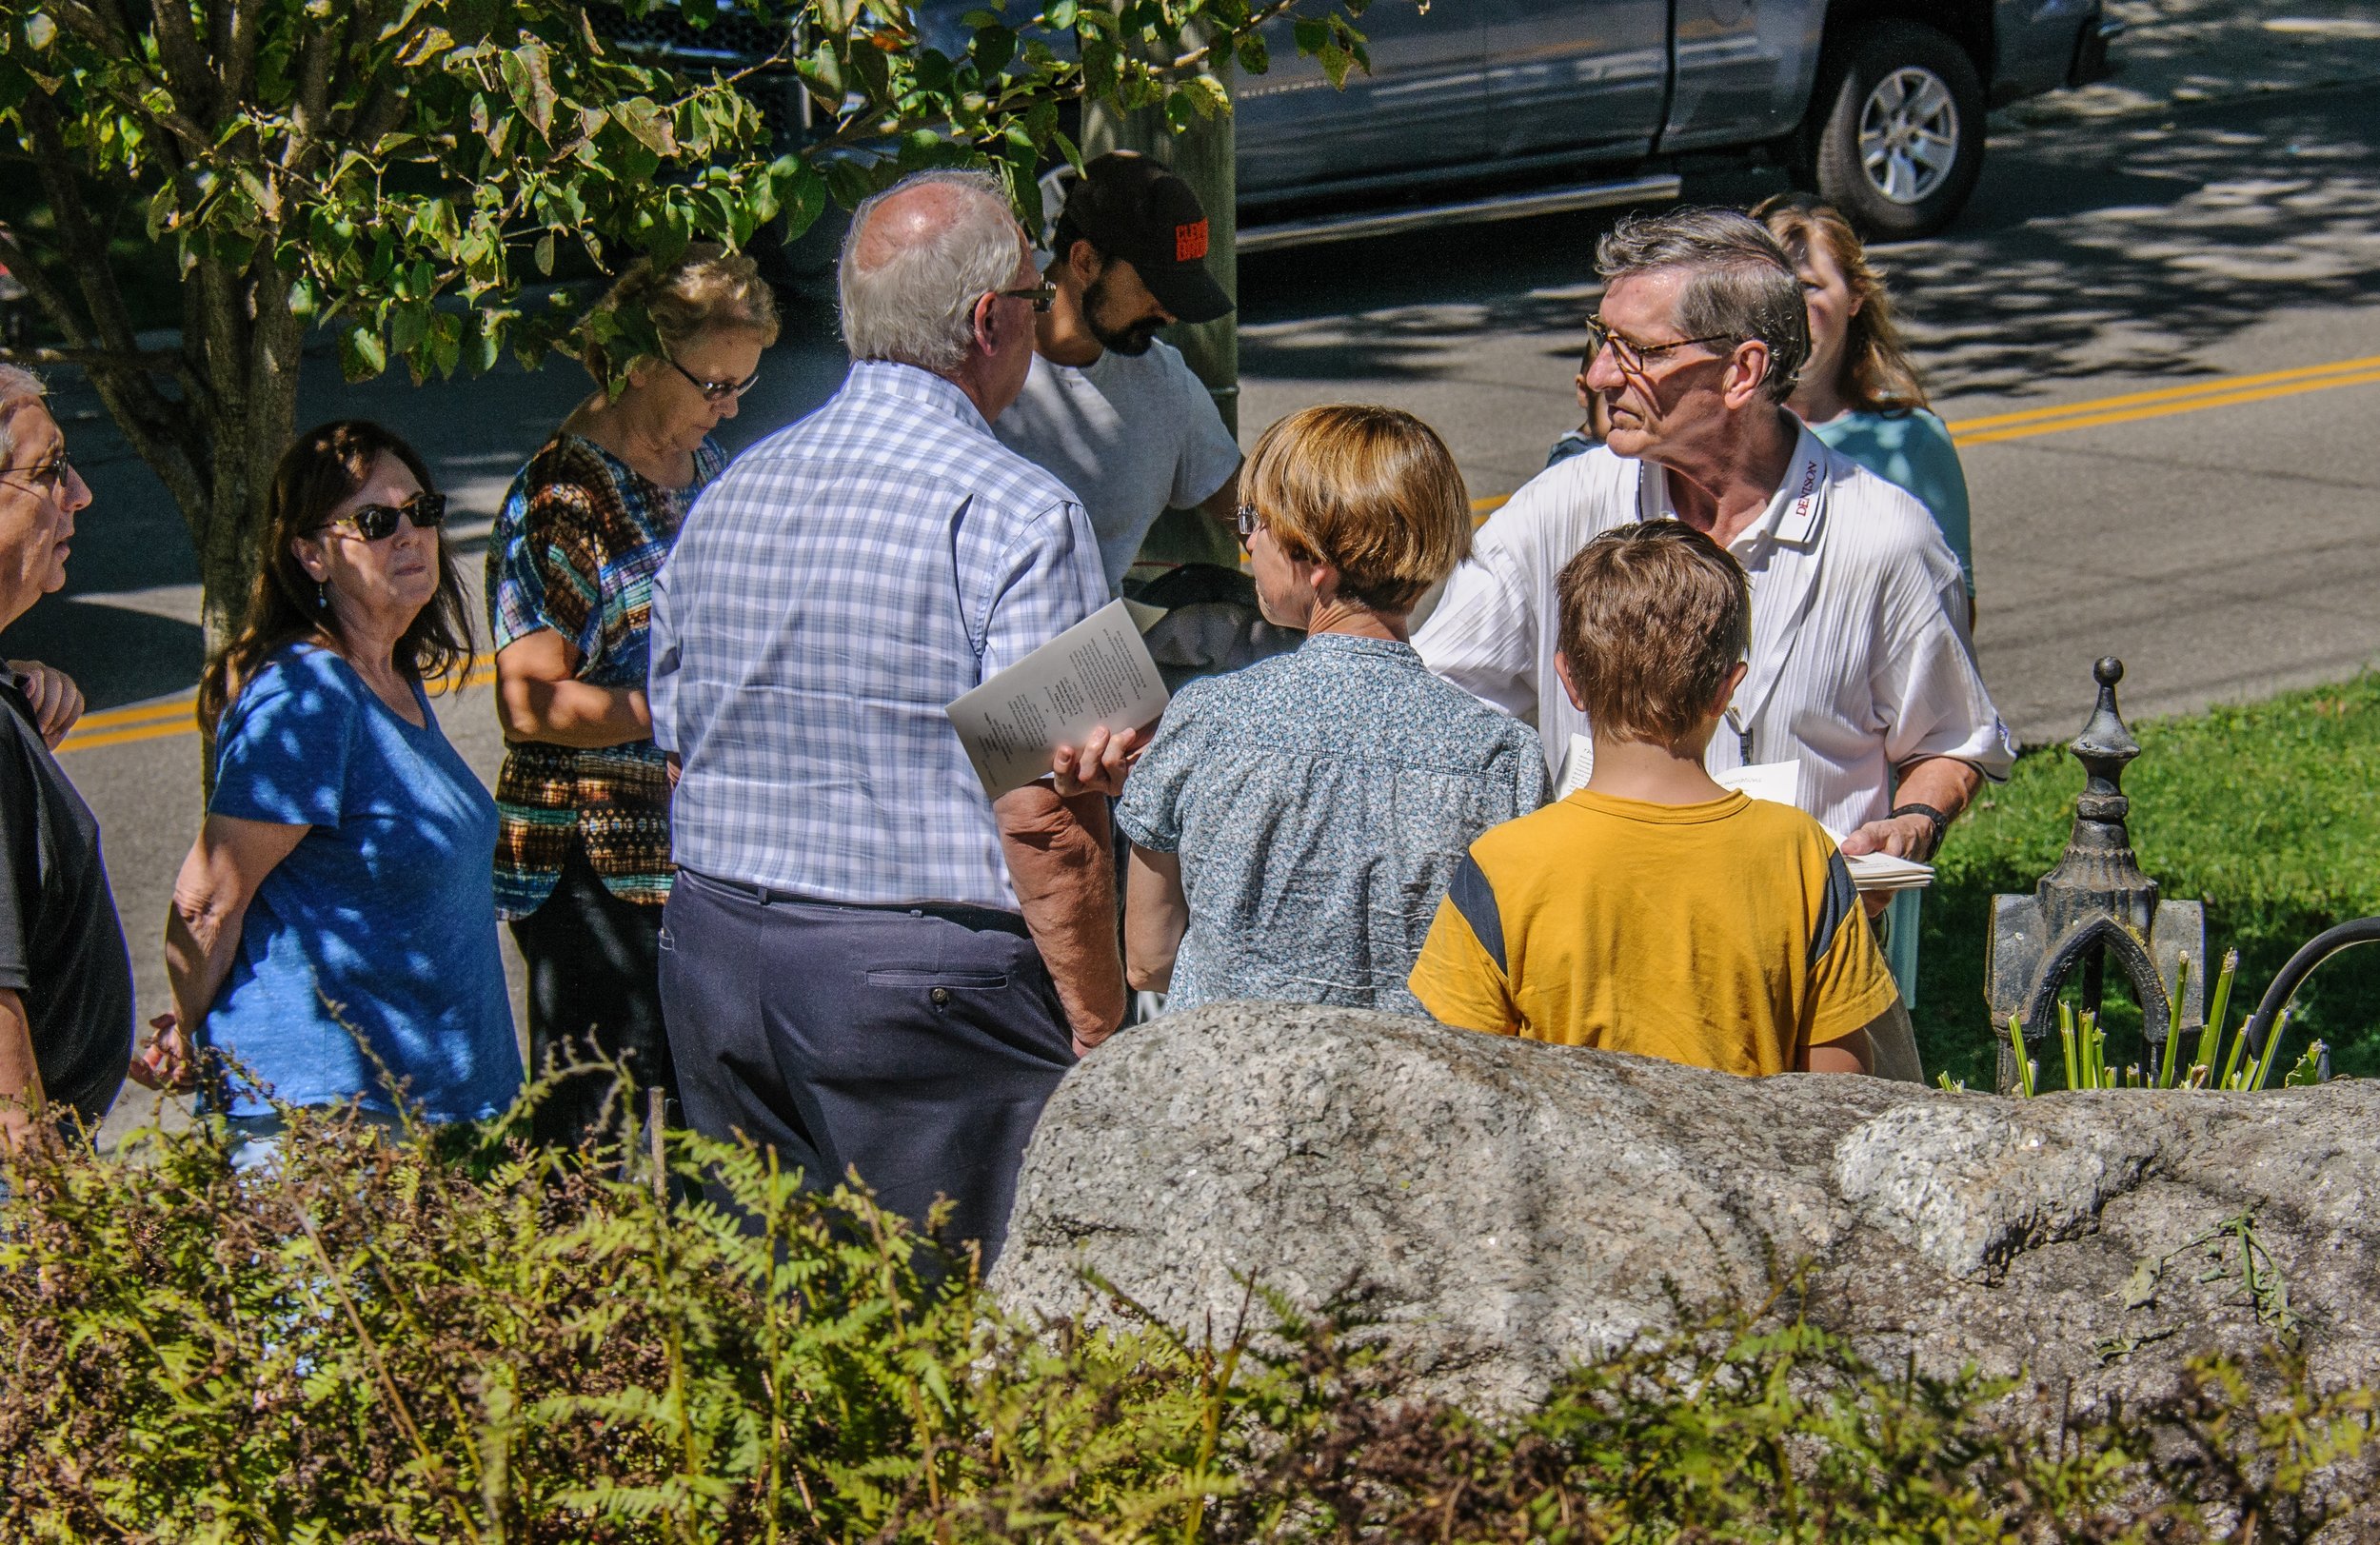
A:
(1097, 673)
(1777, 782)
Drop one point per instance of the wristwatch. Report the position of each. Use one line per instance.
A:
(1940, 823)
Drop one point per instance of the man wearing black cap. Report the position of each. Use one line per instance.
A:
(1115, 414)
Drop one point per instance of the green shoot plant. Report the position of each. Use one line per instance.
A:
(2243, 1068)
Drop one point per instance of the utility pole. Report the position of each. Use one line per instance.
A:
(1203, 156)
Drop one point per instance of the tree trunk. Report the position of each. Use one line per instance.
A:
(251, 350)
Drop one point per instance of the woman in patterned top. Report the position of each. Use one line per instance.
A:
(1294, 824)
(582, 851)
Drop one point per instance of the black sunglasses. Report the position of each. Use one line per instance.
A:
(427, 512)
(715, 391)
(54, 472)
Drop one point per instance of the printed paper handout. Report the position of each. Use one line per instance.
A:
(1096, 673)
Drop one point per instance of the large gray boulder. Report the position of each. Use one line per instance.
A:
(1512, 1208)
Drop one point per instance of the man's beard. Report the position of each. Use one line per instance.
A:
(1132, 341)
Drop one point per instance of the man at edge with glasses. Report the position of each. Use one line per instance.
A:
(1861, 672)
(66, 981)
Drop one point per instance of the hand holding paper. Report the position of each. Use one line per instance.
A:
(1102, 764)
(1096, 676)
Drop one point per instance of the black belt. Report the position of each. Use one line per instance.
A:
(966, 915)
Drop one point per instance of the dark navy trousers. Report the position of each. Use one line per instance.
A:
(913, 1045)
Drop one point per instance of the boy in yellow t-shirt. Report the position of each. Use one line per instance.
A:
(1653, 911)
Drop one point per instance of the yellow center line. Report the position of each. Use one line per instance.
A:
(2131, 407)
(2107, 414)
(178, 715)
(2182, 398)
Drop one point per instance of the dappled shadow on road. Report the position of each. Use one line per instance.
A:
(2120, 249)
(2132, 249)
(115, 655)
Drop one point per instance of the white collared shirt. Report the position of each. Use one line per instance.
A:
(1860, 658)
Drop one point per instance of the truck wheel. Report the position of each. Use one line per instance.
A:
(1902, 140)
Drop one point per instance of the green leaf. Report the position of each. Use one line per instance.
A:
(362, 356)
(1254, 57)
(544, 254)
(1060, 14)
(40, 30)
(528, 79)
(1335, 62)
(801, 193)
(640, 117)
(445, 342)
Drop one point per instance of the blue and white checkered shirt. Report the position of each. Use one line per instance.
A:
(836, 587)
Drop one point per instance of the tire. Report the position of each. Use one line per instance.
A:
(1901, 142)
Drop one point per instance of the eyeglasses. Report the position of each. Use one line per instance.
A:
(1041, 295)
(1631, 354)
(715, 391)
(427, 512)
(1249, 520)
(54, 472)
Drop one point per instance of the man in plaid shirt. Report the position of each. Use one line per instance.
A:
(865, 964)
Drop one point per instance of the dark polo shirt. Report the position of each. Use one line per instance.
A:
(61, 945)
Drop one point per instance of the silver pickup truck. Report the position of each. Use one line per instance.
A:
(1480, 109)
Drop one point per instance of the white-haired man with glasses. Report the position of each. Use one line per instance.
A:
(1861, 672)
(865, 964)
(66, 981)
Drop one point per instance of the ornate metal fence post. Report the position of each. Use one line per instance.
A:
(2095, 904)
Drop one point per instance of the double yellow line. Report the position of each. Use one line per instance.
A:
(178, 715)
(2224, 391)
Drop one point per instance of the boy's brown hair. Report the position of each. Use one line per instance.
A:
(1654, 616)
(1373, 490)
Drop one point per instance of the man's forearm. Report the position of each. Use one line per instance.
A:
(1944, 783)
(20, 1076)
(1064, 872)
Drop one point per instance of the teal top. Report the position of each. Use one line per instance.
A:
(1913, 451)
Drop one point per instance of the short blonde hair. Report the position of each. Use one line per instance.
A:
(1654, 616)
(1371, 490)
(708, 288)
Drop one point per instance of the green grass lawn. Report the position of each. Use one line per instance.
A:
(2269, 814)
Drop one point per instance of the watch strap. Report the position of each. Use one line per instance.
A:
(1940, 823)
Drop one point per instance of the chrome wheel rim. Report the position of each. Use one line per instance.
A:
(1907, 134)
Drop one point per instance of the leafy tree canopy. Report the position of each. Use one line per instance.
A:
(403, 171)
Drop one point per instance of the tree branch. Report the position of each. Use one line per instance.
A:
(236, 56)
(162, 361)
(1197, 58)
(96, 30)
(187, 71)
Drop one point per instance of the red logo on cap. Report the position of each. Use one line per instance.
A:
(1190, 243)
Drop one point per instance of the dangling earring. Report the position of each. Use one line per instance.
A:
(322, 596)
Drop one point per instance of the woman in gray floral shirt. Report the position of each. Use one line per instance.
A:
(1294, 824)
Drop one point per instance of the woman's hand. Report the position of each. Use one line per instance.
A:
(166, 1064)
(1101, 766)
(57, 701)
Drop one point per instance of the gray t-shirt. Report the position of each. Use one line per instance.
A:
(1131, 435)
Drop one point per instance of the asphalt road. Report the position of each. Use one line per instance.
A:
(2157, 336)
